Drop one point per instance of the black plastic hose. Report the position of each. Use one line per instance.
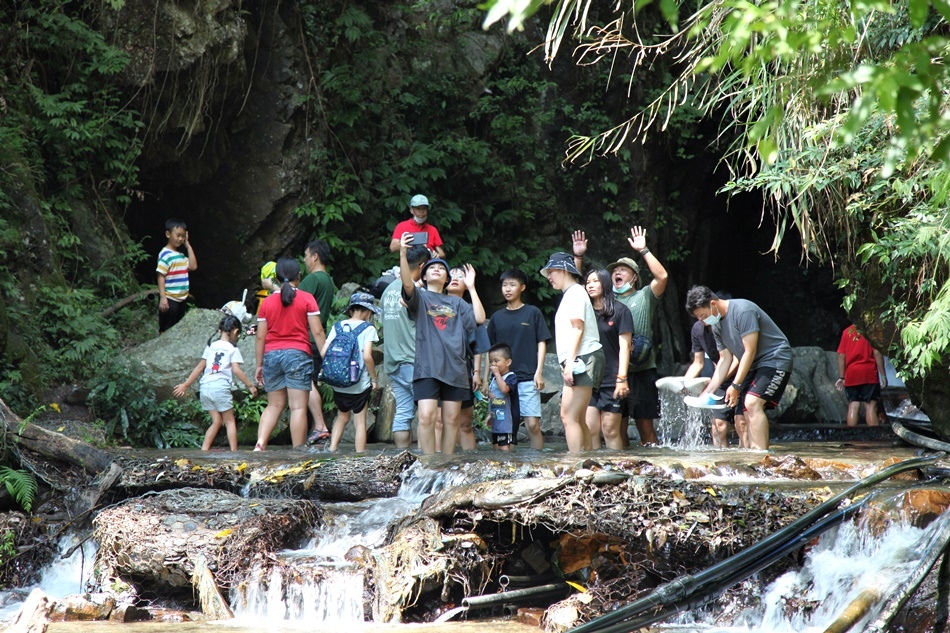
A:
(916, 438)
(681, 588)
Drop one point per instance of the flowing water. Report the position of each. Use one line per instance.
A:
(318, 587)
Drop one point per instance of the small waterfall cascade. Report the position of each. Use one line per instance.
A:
(63, 577)
(321, 582)
(848, 564)
(682, 427)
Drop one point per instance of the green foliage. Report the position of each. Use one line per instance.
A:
(68, 145)
(21, 484)
(8, 548)
(128, 407)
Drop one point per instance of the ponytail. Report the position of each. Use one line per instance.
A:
(288, 270)
(227, 323)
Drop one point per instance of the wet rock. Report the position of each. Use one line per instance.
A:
(788, 467)
(920, 507)
(909, 475)
(694, 472)
(129, 613)
(530, 615)
(33, 616)
(811, 394)
(82, 608)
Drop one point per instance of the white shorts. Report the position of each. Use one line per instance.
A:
(216, 396)
(529, 399)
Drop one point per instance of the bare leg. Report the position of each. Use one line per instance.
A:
(339, 425)
(592, 419)
(720, 433)
(466, 432)
(428, 410)
(402, 439)
(298, 416)
(854, 410)
(573, 407)
(625, 431)
(231, 427)
(438, 430)
(315, 405)
(610, 424)
(276, 401)
(534, 432)
(871, 416)
(647, 432)
(212, 431)
(742, 430)
(359, 421)
(758, 422)
(450, 425)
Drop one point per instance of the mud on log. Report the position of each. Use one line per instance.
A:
(157, 539)
(336, 478)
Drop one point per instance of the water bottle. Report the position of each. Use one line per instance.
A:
(354, 371)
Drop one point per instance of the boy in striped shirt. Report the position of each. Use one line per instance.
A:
(174, 263)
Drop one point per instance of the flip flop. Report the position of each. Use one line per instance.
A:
(316, 437)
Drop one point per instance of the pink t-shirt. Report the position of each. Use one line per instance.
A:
(288, 327)
(410, 226)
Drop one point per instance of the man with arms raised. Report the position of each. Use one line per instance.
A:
(742, 329)
(643, 400)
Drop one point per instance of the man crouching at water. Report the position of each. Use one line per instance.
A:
(742, 329)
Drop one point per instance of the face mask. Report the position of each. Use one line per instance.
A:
(712, 319)
(624, 288)
(418, 221)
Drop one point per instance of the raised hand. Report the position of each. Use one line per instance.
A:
(638, 238)
(579, 240)
(469, 276)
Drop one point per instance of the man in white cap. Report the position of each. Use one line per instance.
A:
(643, 402)
(418, 225)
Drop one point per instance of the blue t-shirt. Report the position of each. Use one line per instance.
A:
(504, 407)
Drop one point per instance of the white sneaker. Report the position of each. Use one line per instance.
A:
(706, 401)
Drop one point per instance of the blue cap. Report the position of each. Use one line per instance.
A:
(561, 261)
(435, 260)
(419, 200)
(363, 300)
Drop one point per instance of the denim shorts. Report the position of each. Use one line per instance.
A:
(216, 396)
(287, 369)
(529, 399)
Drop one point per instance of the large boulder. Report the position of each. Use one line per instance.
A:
(168, 359)
(811, 395)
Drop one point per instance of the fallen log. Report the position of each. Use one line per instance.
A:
(157, 539)
(212, 602)
(333, 478)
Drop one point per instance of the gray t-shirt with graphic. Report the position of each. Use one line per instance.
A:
(399, 331)
(443, 324)
(745, 317)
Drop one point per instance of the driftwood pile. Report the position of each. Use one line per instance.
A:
(159, 538)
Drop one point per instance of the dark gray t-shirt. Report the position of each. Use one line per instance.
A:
(443, 324)
(744, 317)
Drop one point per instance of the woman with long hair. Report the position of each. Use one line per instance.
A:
(578, 349)
(615, 328)
(284, 364)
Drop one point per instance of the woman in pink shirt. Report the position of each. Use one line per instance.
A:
(284, 367)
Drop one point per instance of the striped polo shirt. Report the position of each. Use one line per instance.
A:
(174, 266)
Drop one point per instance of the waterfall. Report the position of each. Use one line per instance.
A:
(318, 583)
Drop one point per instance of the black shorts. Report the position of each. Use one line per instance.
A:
(729, 415)
(863, 393)
(174, 314)
(604, 400)
(432, 389)
(354, 402)
(643, 401)
(317, 362)
(502, 439)
(767, 383)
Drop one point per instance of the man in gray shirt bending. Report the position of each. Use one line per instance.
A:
(742, 329)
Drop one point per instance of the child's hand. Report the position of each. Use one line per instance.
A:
(163, 304)
(253, 391)
(180, 390)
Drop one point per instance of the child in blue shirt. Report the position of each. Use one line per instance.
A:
(503, 407)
